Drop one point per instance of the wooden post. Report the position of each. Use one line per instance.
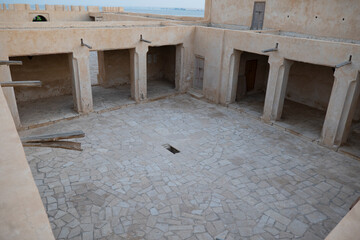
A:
(21, 84)
(2, 62)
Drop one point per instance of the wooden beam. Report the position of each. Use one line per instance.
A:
(2, 62)
(56, 144)
(53, 137)
(21, 84)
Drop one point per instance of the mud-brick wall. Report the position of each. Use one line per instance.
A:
(327, 18)
(310, 84)
(52, 70)
(161, 63)
(117, 68)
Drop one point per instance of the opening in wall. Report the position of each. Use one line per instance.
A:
(39, 18)
(111, 81)
(251, 83)
(161, 71)
(307, 97)
(258, 16)
(54, 100)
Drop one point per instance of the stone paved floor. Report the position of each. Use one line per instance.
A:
(296, 117)
(46, 110)
(105, 98)
(156, 89)
(302, 119)
(252, 104)
(235, 177)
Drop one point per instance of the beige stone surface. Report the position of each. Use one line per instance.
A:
(234, 178)
(328, 18)
(22, 215)
(312, 37)
(348, 228)
(52, 70)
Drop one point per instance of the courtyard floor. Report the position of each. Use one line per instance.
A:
(159, 88)
(108, 98)
(234, 178)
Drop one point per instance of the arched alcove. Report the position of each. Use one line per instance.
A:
(39, 18)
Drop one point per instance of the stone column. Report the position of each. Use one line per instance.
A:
(79, 62)
(179, 68)
(138, 64)
(102, 71)
(233, 76)
(342, 106)
(276, 88)
(9, 92)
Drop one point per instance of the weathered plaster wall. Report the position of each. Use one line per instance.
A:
(52, 70)
(310, 85)
(217, 46)
(22, 212)
(117, 68)
(328, 18)
(208, 43)
(161, 63)
(103, 36)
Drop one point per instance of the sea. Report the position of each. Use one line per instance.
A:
(186, 12)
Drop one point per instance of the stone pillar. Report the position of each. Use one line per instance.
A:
(9, 92)
(276, 88)
(233, 76)
(79, 62)
(342, 106)
(102, 71)
(179, 68)
(138, 65)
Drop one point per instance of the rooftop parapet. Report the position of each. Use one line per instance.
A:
(18, 7)
(58, 8)
(112, 9)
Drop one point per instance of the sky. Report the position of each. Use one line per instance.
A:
(200, 4)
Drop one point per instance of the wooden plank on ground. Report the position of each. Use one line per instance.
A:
(56, 144)
(53, 137)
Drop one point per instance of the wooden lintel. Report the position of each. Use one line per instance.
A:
(2, 62)
(21, 84)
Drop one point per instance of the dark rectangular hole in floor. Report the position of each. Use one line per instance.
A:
(171, 148)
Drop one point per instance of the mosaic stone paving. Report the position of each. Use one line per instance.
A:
(234, 178)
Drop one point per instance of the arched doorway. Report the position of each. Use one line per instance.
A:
(39, 18)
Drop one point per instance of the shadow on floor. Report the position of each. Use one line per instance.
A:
(46, 110)
(160, 88)
(252, 104)
(302, 119)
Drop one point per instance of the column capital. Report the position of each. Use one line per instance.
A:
(81, 52)
(142, 49)
(275, 60)
(346, 73)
